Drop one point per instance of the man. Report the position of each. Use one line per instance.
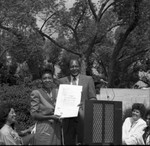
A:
(88, 93)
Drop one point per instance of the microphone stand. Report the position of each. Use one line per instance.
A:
(62, 133)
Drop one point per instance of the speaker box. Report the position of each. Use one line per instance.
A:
(100, 123)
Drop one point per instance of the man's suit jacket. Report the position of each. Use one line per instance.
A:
(87, 83)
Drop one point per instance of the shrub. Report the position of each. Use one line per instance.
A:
(19, 97)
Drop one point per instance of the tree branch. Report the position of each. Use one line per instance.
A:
(103, 11)
(75, 35)
(47, 20)
(109, 29)
(92, 10)
(80, 18)
(4, 50)
(133, 55)
(13, 31)
(56, 43)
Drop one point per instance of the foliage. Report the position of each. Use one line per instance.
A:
(94, 32)
(52, 52)
(19, 97)
(18, 22)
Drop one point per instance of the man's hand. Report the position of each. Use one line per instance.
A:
(56, 118)
(81, 105)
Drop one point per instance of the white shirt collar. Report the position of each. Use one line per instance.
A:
(77, 79)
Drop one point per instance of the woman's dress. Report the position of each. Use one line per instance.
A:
(48, 132)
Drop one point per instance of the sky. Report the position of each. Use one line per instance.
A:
(69, 3)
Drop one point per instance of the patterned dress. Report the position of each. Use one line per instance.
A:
(8, 136)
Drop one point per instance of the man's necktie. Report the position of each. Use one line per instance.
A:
(74, 81)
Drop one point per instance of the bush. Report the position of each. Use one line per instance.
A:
(19, 97)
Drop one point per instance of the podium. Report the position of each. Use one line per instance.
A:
(100, 123)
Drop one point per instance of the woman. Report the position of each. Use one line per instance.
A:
(8, 134)
(132, 128)
(48, 126)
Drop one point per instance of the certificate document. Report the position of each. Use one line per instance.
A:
(68, 99)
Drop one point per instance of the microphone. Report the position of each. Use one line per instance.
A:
(103, 81)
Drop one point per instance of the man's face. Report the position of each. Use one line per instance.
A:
(74, 68)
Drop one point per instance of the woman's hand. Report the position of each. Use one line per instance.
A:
(80, 105)
(56, 118)
(48, 111)
(26, 131)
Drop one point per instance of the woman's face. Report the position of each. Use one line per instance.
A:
(11, 116)
(136, 114)
(47, 80)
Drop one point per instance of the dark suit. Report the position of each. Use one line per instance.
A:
(88, 92)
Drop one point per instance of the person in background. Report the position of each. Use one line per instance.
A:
(132, 128)
(145, 138)
(146, 135)
(70, 125)
(8, 134)
(48, 125)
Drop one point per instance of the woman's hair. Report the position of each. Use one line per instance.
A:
(4, 111)
(140, 107)
(50, 70)
(47, 69)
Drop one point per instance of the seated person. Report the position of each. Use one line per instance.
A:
(8, 134)
(145, 138)
(146, 135)
(133, 127)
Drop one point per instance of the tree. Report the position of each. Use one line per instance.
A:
(131, 19)
(17, 20)
(82, 28)
(105, 34)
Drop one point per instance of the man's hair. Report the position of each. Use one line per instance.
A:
(140, 107)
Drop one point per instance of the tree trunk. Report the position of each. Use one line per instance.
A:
(114, 61)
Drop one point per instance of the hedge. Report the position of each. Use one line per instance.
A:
(19, 98)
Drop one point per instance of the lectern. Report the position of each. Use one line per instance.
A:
(100, 123)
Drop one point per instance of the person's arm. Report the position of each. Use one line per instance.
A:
(40, 116)
(35, 103)
(134, 137)
(26, 131)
